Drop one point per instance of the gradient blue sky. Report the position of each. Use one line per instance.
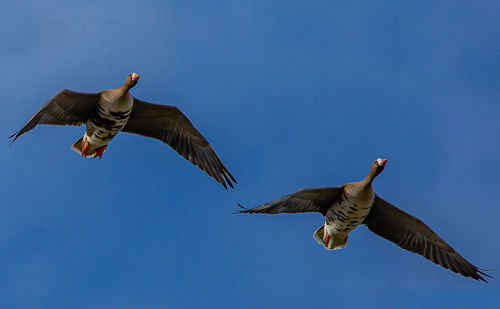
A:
(291, 94)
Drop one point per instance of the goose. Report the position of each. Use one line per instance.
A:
(350, 205)
(109, 112)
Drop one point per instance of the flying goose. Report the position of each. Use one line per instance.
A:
(109, 112)
(352, 204)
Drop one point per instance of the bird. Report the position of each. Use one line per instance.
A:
(109, 112)
(352, 204)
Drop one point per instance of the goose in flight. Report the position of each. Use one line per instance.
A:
(109, 112)
(350, 205)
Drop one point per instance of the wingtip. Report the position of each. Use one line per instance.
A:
(482, 272)
(225, 183)
(13, 138)
(228, 178)
(239, 211)
(232, 177)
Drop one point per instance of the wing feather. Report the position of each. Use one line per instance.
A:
(413, 235)
(169, 125)
(67, 108)
(305, 200)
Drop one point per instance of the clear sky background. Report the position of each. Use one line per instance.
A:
(291, 94)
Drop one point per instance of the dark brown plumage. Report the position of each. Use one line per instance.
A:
(169, 125)
(412, 234)
(67, 108)
(342, 207)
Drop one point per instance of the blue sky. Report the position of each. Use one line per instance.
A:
(291, 94)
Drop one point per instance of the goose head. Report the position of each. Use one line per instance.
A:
(132, 80)
(376, 168)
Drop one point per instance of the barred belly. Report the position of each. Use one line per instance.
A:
(105, 124)
(346, 216)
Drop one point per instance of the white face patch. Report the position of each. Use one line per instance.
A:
(381, 162)
(135, 76)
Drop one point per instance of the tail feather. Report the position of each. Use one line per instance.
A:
(78, 146)
(337, 241)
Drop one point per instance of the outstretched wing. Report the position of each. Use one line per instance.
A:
(67, 108)
(169, 125)
(305, 200)
(413, 235)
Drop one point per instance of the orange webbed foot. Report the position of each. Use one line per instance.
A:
(99, 151)
(85, 147)
(326, 238)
